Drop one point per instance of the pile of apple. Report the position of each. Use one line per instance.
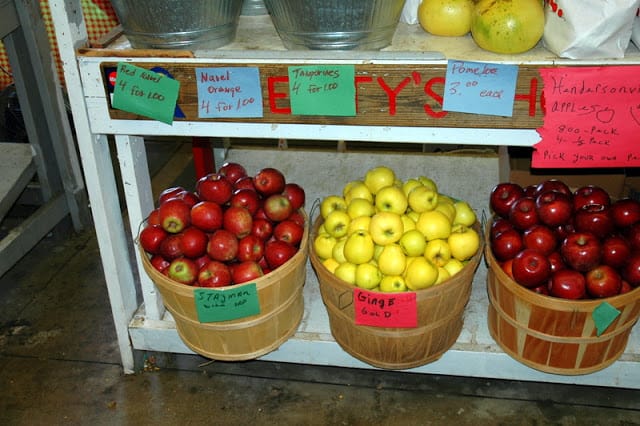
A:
(387, 235)
(231, 229)
(577, 244)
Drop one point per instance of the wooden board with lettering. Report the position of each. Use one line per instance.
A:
(385, 95)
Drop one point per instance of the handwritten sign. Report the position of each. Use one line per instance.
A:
(322, 90)
(145, 92)
(395, 310)
(480, 88)
(225, 304)
(592, 117)
(229, 92)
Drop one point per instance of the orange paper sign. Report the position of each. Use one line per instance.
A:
(376, 309)
(592, 118)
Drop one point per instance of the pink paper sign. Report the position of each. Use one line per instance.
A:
(592, 118)
(395, 310)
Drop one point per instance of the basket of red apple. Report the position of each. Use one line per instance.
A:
(564, 271)
(229, 259)
(395, 261)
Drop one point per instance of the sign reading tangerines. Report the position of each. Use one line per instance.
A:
(394, 310)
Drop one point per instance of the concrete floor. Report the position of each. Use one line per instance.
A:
(59, 364)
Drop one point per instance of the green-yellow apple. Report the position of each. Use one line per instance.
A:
(392, 260)
(422, 199)
(453, 266)
(360, 207)
(359, 247)
(464, 242)
(407, 222)
(433, 225)
(428, 182)
(358, 190)
(392, 284)
(391, 199)
(368, 276)
(347, 187)
(359, 223)
(447, 208)
(346, 272)
(331, 203)
(377, 251)
(331, 264)
(413, 215)
(323, 245)
(338, 250)
(413, 243)
(386, 228)
(464, 213)
(420, 273)
(378, 177)
(443, 275)
(409, 184)
(337, 223)
(437, 251)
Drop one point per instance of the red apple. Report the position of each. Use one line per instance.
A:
(568, 284)
(214, 274)
(245, 271)
(191, 198)
(159, 262)
(625, 212)
(214, 187)
(297, 217)
(151, 237)
(507, 267)
(207, 216)
(615, 251)
(553, 208)
(632, 235)
(502, 196)
(498, 225)
(193, 242)
(289, 232)
(174, 215)
(603, 281)
(183, 270)
(553, 185)
(277, 207)
(631, 270)
(247, 198)
(237, 220)
(250, 247)
(202, 260)
(171, 248)
(541, 289)
(245, 183)
(506, 244)
(523, 213)
(295, 194)
(562, 231)
(541, 238)
(154, 217)
(531, 190)
(222, 246)
(233, 171)
(278, 252)
(531, 268)
(625, 287)
(171, 192)
(594, 218)
(581, 251)
(262, 228)
(269, 181)
(590, 194)
(556, 262)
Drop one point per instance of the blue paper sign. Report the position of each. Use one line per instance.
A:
(229, 92)
(480, 88)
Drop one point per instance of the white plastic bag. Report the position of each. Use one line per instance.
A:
(409, 13)
(589, 29)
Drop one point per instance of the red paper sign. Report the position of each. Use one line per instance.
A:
(592, 118)
(395, 310)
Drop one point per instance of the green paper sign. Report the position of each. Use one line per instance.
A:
(323, 90)
(603, 315)
(226, 304)
(145, 92)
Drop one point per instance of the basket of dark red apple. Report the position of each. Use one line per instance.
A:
(564, 274)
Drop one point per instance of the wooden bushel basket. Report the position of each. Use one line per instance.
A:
(281, 309)
(440, 319)
(551, 334)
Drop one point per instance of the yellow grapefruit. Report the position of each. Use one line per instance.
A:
(446, 17)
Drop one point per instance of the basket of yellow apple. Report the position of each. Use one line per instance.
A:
(395, 261)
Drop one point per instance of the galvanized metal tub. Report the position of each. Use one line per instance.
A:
(178, 24)
(335, 24)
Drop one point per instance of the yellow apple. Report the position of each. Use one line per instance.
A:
(337, 223)
(391, 199)
(433, 225)
(407, 223)
(392, 283)
(443, 275)
(377, 250)
(346, 272)
(409, 184)
(378, 177)
(368, 276)
(331, 264)
(323, 245)
(392, 260)
(428, 182)
(413, 243)
(447, 208)
(413, 215)
(422, 199)
(464, 213)
(453, 266)
(360, 207)
(359, 247)
(386, 228)
(420, 273)
(437, 251)
(349, 185)
(331, 203)
(359, 223)
(358, 190)
(338, 250)
(464, 242)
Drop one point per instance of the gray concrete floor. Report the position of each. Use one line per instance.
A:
(59, 364)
